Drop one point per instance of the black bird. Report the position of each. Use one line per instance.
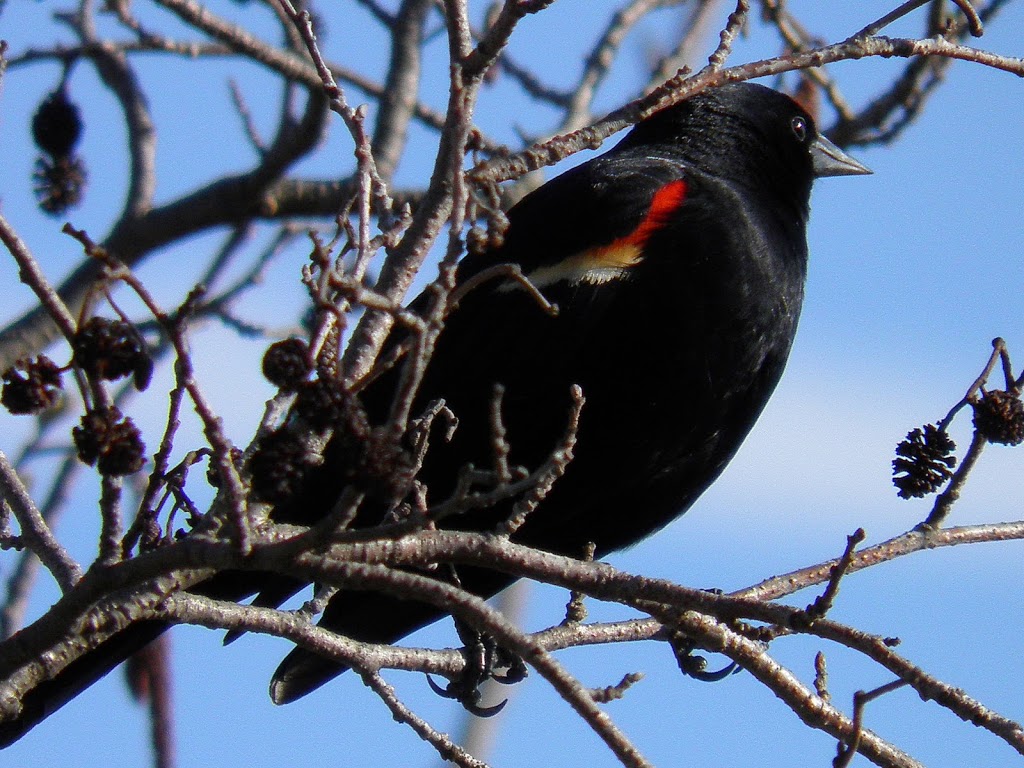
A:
(677, 261)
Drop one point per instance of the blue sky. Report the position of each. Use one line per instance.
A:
(913, 271)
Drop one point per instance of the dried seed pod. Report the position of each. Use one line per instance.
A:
(57, 124)
(112, 349)
(286, 364)
(387, 470)
(109, 441)
(324, 403)
(279, 466)
(35, 391)
(59, 183)
(923, 462)
(999, 416)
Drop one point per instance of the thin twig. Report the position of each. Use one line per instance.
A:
(32, 275)
(814, 711)
(824, 601)
(446, 748)
(730, 32)
(676, 89)
(231, 483)
(601, 57)
(878, 25)
(944, 501)
(845, 752)
(34, 531)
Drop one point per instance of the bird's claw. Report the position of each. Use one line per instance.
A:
(483, 656)
(466, 696)
(697, 670)
(515, 668)
(696, 666)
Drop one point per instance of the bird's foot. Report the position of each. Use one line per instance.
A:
(484, 659)
(696, 666)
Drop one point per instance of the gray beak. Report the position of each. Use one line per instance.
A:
(830, 160)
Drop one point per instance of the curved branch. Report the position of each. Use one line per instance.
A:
(399, 98)
(113, 69)
(679, 88)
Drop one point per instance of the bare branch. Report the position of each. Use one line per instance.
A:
(34, 531)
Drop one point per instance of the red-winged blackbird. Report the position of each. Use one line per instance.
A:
(677, 262)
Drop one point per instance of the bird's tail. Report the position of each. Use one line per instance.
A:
(371, 617)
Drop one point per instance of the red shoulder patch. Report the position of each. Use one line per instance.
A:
(666, 201)
(603, 263)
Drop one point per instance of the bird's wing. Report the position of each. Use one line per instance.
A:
(591, 223)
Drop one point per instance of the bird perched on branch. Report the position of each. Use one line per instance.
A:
(677, 263)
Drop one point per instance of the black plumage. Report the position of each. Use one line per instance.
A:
(677, 261)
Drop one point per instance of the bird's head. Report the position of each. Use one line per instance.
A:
(749, 134)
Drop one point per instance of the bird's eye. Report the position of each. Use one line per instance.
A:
(799, 126)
